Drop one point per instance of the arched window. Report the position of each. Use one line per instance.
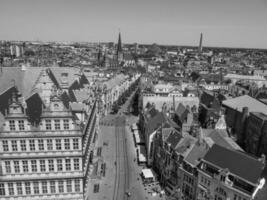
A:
(56, 106)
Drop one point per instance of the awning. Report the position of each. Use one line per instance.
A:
(141, 153)
(134, 126)
(147, 173)
(138, 137)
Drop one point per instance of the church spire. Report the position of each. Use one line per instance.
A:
(119, 50)
(200, 43)
(119, 46)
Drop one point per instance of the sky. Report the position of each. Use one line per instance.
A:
(224, 23)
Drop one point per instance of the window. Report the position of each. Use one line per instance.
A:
(59, 165)
(28, 187)
(19, 188)
(51, 165)
(60, 186)
(52, 187)
(44, 187)
(67, 144)
(57, 124)
(208, 182)
(32, 145)
(8, 167)
(56, 106)
(34, 165)
(42, 165)
(75, 143)
(25, 166)
(69, 186)
(5, 145)
(77, 185)
(36, 187)
(12, 126)
(41, 145)
(58, 144)
(48, 124)
(16, 167)
(2, 189)
(49, 144)
(67, 164)
(14, 145)
(21, 125)
(23, 145)
(10, 189)
(66, 124)
(76, 164)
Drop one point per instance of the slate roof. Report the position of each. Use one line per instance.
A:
(155, 122)
(196, 153)
(237, 162)
(174, 138)
(185, 145)
(78, 107)
(152, 112)
(246, 101)
(23, 80)
(166, 132)
(181, 112)
(220, 137)
(73, 74)
(81, 95)
(206, 98)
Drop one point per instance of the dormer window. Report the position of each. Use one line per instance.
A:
(64, 77)
(64, 74)
(56, 106)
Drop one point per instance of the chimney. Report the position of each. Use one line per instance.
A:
(245, 111)
(200, 136)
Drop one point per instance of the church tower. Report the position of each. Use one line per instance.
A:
(200, 43)
(119, 53)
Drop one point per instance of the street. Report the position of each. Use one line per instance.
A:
(119, 153)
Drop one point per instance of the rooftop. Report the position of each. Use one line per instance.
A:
(239, 103)
(237, 162)
(23, 78)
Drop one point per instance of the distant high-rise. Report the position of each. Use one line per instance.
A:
(200, 43)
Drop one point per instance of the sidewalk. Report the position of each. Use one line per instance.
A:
(106, 184)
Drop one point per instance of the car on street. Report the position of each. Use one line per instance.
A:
(128, 194)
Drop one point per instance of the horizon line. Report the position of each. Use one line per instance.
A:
(159, 44)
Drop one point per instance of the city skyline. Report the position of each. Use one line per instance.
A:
(238, 23)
